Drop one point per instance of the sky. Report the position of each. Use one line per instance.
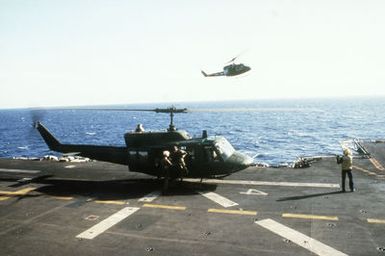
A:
(77, 52)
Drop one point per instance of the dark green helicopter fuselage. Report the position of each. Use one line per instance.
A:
(206, 156)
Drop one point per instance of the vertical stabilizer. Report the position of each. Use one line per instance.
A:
(51, 141)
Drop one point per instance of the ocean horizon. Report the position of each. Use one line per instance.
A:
(273, 132)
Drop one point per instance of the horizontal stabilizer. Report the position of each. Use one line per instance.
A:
(72, 154)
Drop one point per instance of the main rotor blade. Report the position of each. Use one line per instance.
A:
(113, 109)
(232, 60)
(157, 110)
(227, 110)
(196, 110)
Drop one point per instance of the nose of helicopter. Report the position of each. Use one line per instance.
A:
(239, 160)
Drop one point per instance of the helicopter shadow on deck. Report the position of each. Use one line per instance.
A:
(114, 189)
(308, 196)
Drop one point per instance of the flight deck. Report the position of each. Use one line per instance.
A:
(98, 208)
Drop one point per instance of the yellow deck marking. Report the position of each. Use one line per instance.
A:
(162, 206)
(110, 202)
(376, 164)
(376, 221)
(360, 169)
(241, 212)
(309, 216)
(20, 192)
(5, 195)
(364, 170)
(63, 197)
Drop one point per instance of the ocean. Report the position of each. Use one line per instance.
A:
(273, 132)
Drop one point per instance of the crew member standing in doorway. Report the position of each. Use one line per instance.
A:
(165, 164)
(178, 159)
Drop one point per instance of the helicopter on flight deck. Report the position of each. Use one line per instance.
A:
(207, 156)
(230, 70)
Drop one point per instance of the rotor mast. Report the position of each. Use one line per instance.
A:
(171, 110)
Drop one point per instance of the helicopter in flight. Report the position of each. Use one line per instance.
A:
(232, 69)
(206, 156)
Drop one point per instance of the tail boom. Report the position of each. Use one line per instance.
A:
(102, 153)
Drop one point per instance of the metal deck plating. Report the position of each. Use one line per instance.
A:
(98, 208)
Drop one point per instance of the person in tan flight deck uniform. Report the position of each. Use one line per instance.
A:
(178, 159)
(165, 164)
(346, 162)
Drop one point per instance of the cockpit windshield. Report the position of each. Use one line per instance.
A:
(224, 148)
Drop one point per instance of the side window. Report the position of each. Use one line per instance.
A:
(216, 155)
(141, 154)
(132, 154)
(191, 153)
(211, 154)
(138, 155)
(208, 155)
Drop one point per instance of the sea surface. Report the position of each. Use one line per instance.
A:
(273, 132)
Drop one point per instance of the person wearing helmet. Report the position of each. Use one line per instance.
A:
(178, 159)
(165, 165)
(346, 162)
(139, 128)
